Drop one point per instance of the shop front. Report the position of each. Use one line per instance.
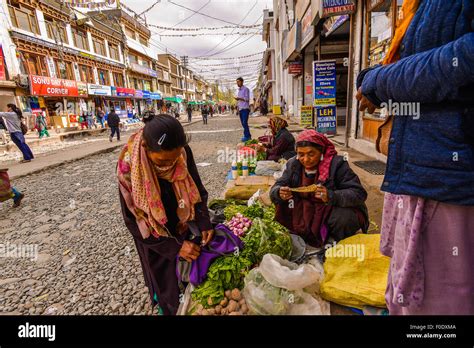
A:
(64, 100)
(122, 101)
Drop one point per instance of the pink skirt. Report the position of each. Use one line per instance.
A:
(431, 246)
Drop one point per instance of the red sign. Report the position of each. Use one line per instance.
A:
(2, 65)
(295, 68)
(125, 92)
(47, 86)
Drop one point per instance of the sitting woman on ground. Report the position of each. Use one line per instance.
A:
(162, 197)
(284, 142)
(335, 209)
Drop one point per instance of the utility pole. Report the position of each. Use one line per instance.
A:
(184, 59)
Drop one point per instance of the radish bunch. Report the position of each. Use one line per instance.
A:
(239, 224)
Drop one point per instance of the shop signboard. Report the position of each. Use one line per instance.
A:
(3, 76)
(337, 7)
(326, 119)
(306, 116)
(332, 23)
(124, 92)
(295, 68)
(99, 90)
(146, 95)
(293, 42)
(307, 28)
(324, 82)
(300, 8)
(138, 94)
(143, 70)
(82, 89)
(52, 87)
(155, 96)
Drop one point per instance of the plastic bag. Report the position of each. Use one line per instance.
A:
(279, 287)
(356, 272)
(267, 168)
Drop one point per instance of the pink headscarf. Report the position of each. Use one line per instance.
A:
(328, 152)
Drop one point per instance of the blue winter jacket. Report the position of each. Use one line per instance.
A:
(433, 156)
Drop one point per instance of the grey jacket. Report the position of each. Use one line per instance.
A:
(12, 121)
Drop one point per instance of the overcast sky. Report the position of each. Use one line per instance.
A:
(244, 12)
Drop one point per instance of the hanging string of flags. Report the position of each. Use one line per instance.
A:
(90, 4)
(227, 58)
(207, 34)
(208, 28)
(237, 62)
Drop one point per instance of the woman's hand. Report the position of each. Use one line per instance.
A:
(322, 194)
(207, 237)
(189, 251)
(364, 102)
(285, 193)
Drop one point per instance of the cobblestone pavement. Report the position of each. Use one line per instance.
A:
(69, 251)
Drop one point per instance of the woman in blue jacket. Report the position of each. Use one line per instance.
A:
(428, 217)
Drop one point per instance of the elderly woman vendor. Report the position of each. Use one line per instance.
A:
(284, 143)
(336, 209)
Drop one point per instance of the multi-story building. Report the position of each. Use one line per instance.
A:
(176, 77)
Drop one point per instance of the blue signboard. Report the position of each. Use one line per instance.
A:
(146, 95)
(326, 119)
(324, 82)
(155, 96)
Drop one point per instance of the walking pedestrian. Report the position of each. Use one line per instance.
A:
(428, 215)
(7, 191)
(243, 99)
(113, 120)
(3, 132)
(41, 125)
(282, 105)
(211, 110)
(13, 122)
(204, 113)
(100, 116)
(189, 109)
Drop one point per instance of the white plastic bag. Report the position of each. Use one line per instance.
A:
(267, 168)
(279, 287)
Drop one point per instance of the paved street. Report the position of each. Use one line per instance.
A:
(87, 263)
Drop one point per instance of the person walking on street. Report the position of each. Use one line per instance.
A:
(211, 110)
(100, 116)
(205, 113)
(282, 105)
(189, 109)
(41, 125)
(243, 106)
(113, 120)
(7, 191)
(13, 123)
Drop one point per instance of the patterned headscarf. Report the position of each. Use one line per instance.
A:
(328, 151)
(276, 124)
(138, 181)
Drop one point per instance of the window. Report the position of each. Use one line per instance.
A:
(24, 17)
(143, 40)
(146, 63)
(99, 46)
(65, 70)
(147, 85)
(133, 59)
(86, 73)
(130, 33)
(56, 31)
(114, 52)
(174, 69)
(103, 77)
(80, 39)
(118, 79)
(35, 65)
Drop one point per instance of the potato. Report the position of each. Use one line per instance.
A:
(199, 307)
(210, 302)
(211, 311)
(218, 309)
(224, 311)
(233, 306)
(236, 313)
(244, 309)
(236, 295)
(224, 302)
(242, 301)
(205, 312)
(228, 294)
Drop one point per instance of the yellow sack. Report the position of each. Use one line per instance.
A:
(355, 272)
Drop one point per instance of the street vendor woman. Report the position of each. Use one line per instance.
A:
(284, 142)
(336, 209)
(161, 195)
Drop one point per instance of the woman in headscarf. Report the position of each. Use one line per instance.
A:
(162, 198)
(284, 142)
(428, 215)
(336, 209)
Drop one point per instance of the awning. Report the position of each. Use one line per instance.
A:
(174, 99)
